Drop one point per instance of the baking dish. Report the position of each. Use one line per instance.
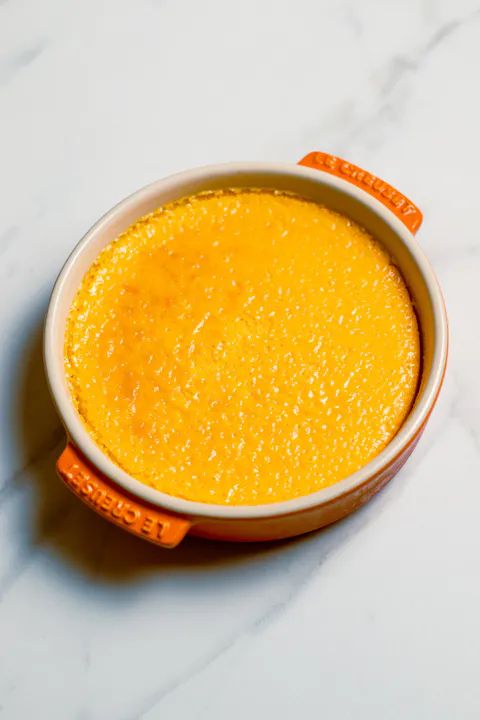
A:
(165, 520)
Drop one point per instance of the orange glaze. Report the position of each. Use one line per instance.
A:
(242, 347)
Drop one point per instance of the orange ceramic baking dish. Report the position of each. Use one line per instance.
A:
(164, 519)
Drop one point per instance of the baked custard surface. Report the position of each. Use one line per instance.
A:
(242, 347)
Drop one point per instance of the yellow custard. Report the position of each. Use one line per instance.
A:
(242, 347)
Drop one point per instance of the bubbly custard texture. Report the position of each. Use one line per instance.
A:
(242, 347)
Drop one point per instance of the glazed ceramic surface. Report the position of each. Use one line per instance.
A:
(163, 519)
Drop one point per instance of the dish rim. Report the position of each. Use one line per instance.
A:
(407, 434)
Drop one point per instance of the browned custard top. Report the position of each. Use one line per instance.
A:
(242, 347)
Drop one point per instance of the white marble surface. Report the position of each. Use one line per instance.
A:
(377, 617)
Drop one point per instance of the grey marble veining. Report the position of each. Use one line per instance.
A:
(374, 618)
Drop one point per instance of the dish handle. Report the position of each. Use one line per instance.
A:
(118, 506)
(394, 200)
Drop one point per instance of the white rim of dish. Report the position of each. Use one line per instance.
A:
(82, 439)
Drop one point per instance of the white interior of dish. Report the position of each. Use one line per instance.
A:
(331, 191)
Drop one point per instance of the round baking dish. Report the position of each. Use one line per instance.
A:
(165, 520)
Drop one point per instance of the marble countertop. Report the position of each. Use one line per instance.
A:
(376, 617)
